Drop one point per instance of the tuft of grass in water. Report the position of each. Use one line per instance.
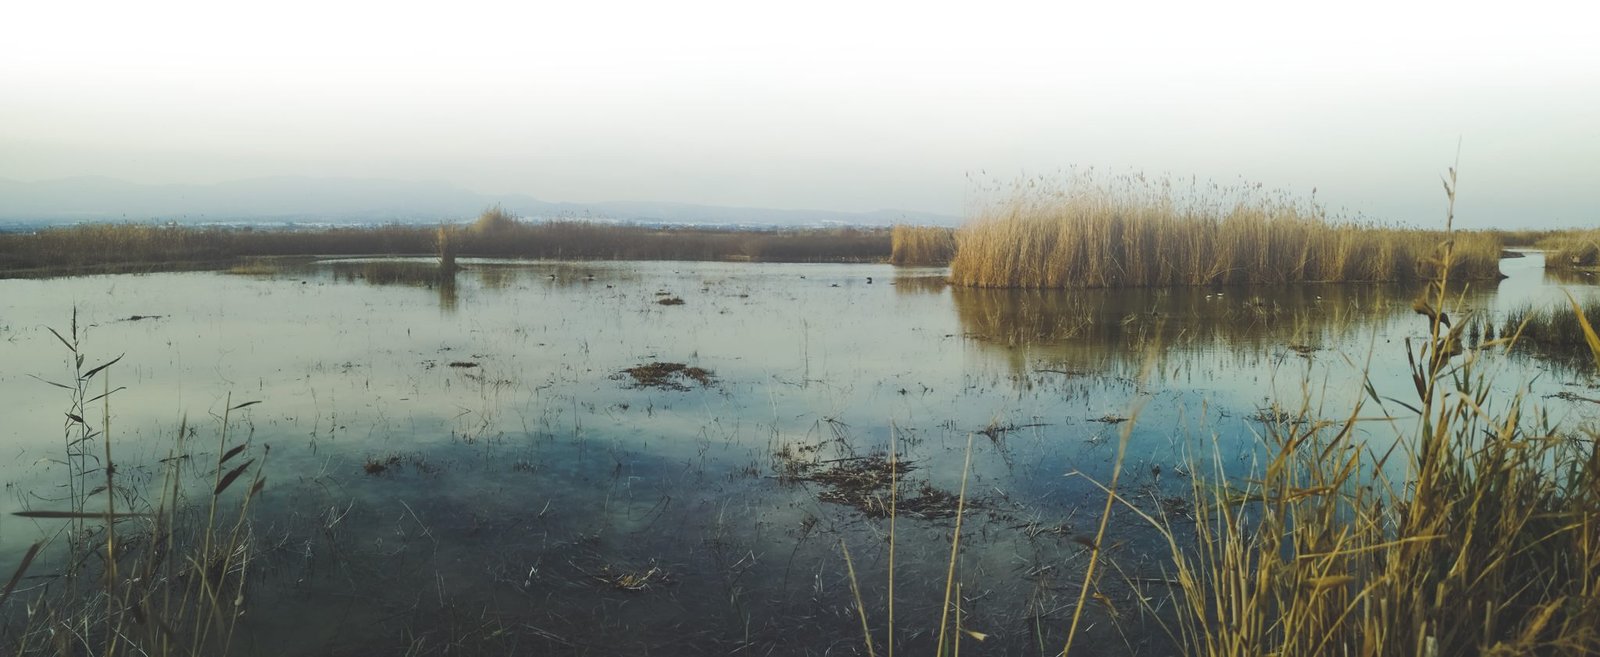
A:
(666, 376)
(1134, 232)
(1554, 331)
(922, 245)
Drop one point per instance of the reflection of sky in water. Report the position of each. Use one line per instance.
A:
(803, 354)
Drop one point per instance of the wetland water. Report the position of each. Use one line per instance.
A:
(469, 467)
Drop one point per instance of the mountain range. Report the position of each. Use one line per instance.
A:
(299, 199)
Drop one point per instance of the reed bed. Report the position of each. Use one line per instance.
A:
(1572, 249)
(144, 247)
(597, 241)
(1135, 232)
(922, 245)
(1526, 238)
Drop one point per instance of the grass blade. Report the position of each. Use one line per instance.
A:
(1588, 331)
(63, 340)
(230, 454)
(90, 374)
(227, 479)
(27, 560)
(105, 394)
(60, 515)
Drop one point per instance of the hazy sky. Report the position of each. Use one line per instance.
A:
(820, 104)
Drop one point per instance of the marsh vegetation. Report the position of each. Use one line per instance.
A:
(311, 456)
(145, 247)
(1135, 232)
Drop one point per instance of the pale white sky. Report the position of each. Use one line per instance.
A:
(821, 104)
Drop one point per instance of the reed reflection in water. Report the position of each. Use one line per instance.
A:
(1115, 330)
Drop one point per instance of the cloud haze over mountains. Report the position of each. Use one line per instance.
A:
(843, 106)
(349, 200)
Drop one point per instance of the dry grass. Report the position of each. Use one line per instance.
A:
(255, 267)
(666, 376)
(144, 247)
(1315, 555)
(1472, 533)
(494, 220)
(1572, 249)
(1525, 238)
(922, 245)
(1134, 232)
(496, 233)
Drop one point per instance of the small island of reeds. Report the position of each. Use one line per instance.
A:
(1135, 232)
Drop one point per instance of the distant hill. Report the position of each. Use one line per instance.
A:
(299, 199)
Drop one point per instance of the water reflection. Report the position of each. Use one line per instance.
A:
(546, 478)
(448, 294)
(1570, 277)
(491, 275)
(920, 280)
(389, 272)
(1116, 330)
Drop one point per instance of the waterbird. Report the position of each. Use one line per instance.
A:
(1427, 310)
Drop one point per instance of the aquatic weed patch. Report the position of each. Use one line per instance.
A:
(666, 376)
(866, 483)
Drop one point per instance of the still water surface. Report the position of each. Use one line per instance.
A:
(517, 492)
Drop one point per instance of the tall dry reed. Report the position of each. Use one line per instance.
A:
(922, 245)
(1136, 232)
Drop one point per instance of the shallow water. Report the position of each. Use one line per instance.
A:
(517, 492)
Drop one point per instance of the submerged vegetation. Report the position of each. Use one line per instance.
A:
(1133, 232)
(666, 376)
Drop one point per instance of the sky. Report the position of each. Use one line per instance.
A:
(849, 106)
